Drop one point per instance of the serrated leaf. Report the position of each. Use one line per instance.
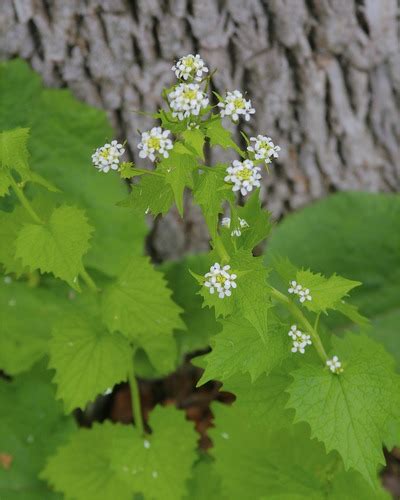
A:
(13, 150)
(194, 139)
(139, 305)
(209, 196)
(220, 136)
(257, 219)
(240, 348)
(152, 195)
(62, 140)
(58, 246)
(275, 462)
(178, 170)
(350, 412)
(31, 427)
(251, 295)
(87, 360)
(10, 225)
(112, 461)
(205, 483)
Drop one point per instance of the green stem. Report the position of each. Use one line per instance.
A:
(220, 248)
(24, 200)
(144, 171)
(136, 404)
(296, 312)
(88, 280)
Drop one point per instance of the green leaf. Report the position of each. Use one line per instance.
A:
(141, 293)
(58, 246)
(209, 196)
(205, 483)
(337, 242)
(13, 150)
(251, 295)
(257, 219)
(178, 170)
(273, 462)
(27, 316)
(152, 194)
(4, 182)
(62, 140)
(220, 136)
(112, 461)
(194, 139)
(87, 360)
(239, 348)
(350, 412)
(31, 427)
(10, 225)
(200, 322)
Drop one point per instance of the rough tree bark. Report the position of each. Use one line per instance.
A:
(324, 76)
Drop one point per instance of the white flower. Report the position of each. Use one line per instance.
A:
(155, 142)
(335, 365)
(190, 67)
(294, 287)
(300, 339)
(244, 176)
(305, 295)
(219, 280)
(187, 100)
(226, 222)
(264, 149)
(107, 157)
(234, 105)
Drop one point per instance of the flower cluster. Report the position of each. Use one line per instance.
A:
(190, 67)
(235, 105)
(107, 157)
(244, 176)
(263, 149)
(300, 339)
(296, 289)
(187, 99)
(218, 279)
(226, 222)
(155, 143)
(334, 365)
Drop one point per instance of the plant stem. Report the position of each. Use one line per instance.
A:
(144, 171)
(88, 280)
(136, 405)
(296, 312)
(24, 200)
(220, 248)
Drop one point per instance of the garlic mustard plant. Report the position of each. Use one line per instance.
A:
(86, 311)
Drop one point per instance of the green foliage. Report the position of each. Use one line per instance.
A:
(356, 405)
(300, 426)
(58, 246)
(87, 360)
(113, 461)
(32, 426)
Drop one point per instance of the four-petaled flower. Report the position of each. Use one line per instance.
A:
(263, 149)
(107, 157)
(187, 99)
(219, 280)
(244, 176)
(300, 340)
(190, 67)
(235, 105)
(297, 289)
(334, 365)
(155, 142)
(226, 222)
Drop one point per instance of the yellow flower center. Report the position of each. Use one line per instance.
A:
(154, 143)
(189, 62)
(244, 174)
(190, 94)
(239, 103)
(105, 153)
(221, 279)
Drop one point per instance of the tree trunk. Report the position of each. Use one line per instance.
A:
(323, 75)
